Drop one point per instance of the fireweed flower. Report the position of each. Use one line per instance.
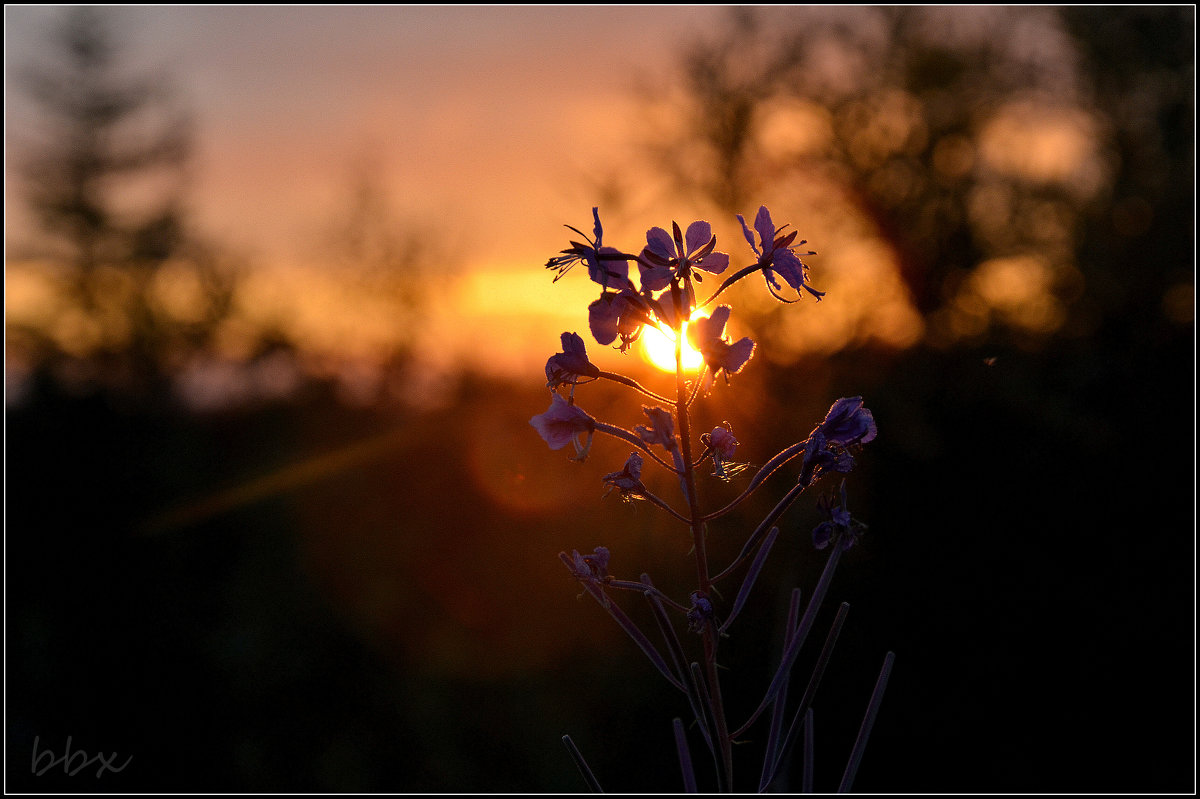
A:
(708, 336)
(629, 480)
(589, 568)
(838, 525)
(661, 431)
(776, 253)
(564, 423)
(848, 424)
(571, 365)
(668, 257)
(723, 445)
(618, 315)
(606, 265)
(700, 612)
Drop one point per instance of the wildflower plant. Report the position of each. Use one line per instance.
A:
(669, 269)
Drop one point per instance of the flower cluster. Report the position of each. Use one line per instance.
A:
(662, 293)
(669, 266)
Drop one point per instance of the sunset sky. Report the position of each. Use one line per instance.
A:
(484, 127)
(484, 130)
(483, 121)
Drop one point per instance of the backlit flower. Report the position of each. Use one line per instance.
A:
(606, 265)
(588, 568)
(700, 613)
(723, 445)
(847, 425)
(666, 256)
(571, 365)
(848, 422)
(564, 423)
(618, 315)
(629, 480)
(661, 429)
(776, 254)
(838, 525)
(708, 336)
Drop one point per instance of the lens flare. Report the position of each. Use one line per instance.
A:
(658, 348)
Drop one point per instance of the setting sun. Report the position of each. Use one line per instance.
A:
(659, 349)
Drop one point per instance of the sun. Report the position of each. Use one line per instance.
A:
(659, 349)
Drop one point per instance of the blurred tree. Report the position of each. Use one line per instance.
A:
(1143, 83)
(963, 137)
(385, 252)
(104, 166)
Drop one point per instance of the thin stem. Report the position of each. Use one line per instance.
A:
(581, 764)
(768, 468)
(651, 498)
(649, 590)
(813, 682)
(675, 648)
(689, 474)
(729, 281)
(720, 729)
(724, 782)
(627, 624)
(628, 437)
(779, 707)
(685, 757)
(864, 732)
(751, 576)
(714, 681)
(793, 649)
(628, 381)
(762, 529)
(806, 781)
(696, 383)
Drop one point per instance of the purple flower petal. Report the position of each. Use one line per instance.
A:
(571, 364)
(708, 336)
(661, 429)
(561, 422)
(603, 315)
(848, 422)
(659, 242)
(714, 263)
(654, 278)
(699, 233)
(765, 228)
(749, 236)
(789, 267)
(736, 355)
(598, 230)
(629, 480)
(612, 273)
(723, 443)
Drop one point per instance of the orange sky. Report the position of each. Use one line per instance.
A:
(481, 125)
(482, 121)
(486, 129)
